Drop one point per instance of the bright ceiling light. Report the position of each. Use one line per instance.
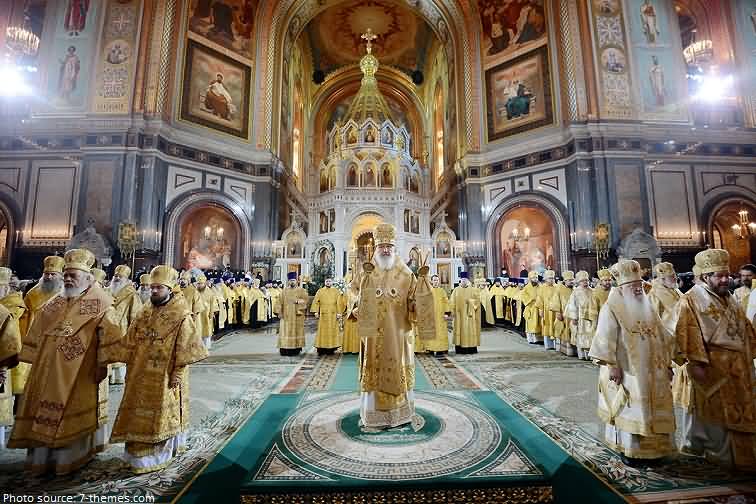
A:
(14, 83)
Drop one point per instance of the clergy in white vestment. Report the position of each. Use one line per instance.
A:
(390, 299)
(635, 352)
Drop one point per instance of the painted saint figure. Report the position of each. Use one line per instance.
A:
(218, 100)
(656, 78)
(76, 16)
(648, 22)
(69, 73)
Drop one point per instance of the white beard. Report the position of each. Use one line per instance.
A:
(73, 292)
(4, 291)
(638, 307)
(115, 287)
(384, 262)
(144, 295)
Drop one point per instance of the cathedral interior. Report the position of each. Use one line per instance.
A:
(261, 138)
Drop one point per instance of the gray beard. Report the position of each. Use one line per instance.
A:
(385, 263)
(73, 292)
(50, 286)
(115, 287)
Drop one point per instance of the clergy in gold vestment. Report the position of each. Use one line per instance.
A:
(49, 286)
(664, 294)
(126, 307)
(100, 276)
(10, 346)
(486, 308)
(464, 305)
(562, 336)
(742, 293)
(144, 287)
(209, 306)
(62, 419)
(351, 343)
(601, 291)
(257, 308)
(529, 300)
(440, 343)
(498, 299)
(217, 288)
(581, 313)
(275, 294)
(634, 352)
(546, 291)
(719, 344)
(387, 306)
(158, 348)
(325, 306)
(292, 305)
(191, 294)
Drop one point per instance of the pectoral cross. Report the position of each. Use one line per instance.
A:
(369, 36)
(713, 312)
(642, 330)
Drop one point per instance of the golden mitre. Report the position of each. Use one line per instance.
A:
(604, 274)
(613, 271)
(628, 271)
(185, 275)
(533, 275)
(568, 275)
(164, 275)
(5, 276)
(80, 259)
(201, 279)
(144, 279)
(548, 274)
(123, 270)
(582, 275)
(664, 269)
(385, 234)
(696, 270)
(98, 274)
(53, 264)
(713, 261)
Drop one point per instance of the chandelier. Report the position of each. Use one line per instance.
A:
(20, 39)
(745, 228)
(520, 233)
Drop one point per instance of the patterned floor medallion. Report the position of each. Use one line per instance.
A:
(446, 436)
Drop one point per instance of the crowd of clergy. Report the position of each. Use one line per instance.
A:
(657, 347)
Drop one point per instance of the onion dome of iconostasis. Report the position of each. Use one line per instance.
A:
(367, 149)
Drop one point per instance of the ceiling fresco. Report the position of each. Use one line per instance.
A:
(334, 35)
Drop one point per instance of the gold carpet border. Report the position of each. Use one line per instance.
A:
(514, 495)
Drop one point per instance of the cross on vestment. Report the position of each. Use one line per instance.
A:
(369, 36)
(642, 330)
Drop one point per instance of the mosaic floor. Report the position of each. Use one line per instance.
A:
(244, 388)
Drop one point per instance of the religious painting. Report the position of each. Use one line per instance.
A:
(659, 86)
(337, 32)
(519, 95)
(606, 7)
(332, 220)
(228, 23)
(649, 22)
(77, 17)
(526, 241)
(414, 260)
(511, 28)
(443, 245)
(444, 275)
(208, 239)
(116, 64)
(216, 91)
(613, 60)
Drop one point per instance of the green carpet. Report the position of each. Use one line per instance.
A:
(260, 458)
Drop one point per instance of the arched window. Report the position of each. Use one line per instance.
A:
(332, 178)
(323, 180)
(352, 180)
(415, 183)
(386, 176)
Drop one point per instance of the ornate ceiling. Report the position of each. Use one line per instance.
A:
(334, 35)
